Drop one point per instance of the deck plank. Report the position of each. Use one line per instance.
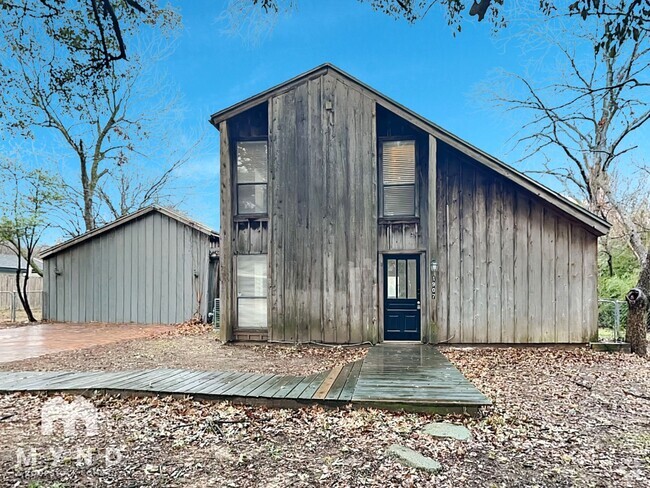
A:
(300, 387)
(287, 386)
(264, 386)
(237, 384)
(339, 383)
(230, 382)
(263, 390)
(324, 388)
(245, 390)
(308, 392)
(351, 382)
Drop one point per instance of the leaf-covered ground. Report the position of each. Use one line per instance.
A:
(561, 418)
(193, 347)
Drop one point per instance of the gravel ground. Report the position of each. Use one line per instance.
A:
(561, 418)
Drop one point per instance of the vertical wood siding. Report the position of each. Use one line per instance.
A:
(511, 269)
(323, 218)
(142, 272)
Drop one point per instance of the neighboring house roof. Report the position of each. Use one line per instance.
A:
(50, 251)
(595, 223)
(8, 262)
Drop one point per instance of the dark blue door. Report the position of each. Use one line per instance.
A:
(402, 297)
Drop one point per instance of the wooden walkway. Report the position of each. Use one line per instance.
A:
(397, 376)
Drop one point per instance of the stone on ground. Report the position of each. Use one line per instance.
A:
(445, 429)
(414, 459)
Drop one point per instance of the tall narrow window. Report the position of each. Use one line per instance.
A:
(252, 177)
(251, 291)
(398, 169)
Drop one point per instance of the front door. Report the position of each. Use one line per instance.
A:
(402, 297)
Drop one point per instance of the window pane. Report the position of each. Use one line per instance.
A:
(401, 278)
(252, 162)
(399, 200)
(391, 278)
(251, 276)
(411, 292)
(251, 313)
(251, 199)
(398, 162)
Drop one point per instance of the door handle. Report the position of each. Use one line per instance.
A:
(418, 305)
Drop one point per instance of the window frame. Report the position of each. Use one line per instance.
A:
(251, 297)
(380, 178)
(237, 214)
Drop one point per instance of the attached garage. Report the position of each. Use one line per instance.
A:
(151, 266)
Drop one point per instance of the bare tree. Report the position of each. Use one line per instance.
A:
(91, 35)
(582, 126)
(108, 126)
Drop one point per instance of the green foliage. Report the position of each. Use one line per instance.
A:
(615, 283)
(624, 275)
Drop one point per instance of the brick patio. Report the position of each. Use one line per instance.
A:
(37, 340)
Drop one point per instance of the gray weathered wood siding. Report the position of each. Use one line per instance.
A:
(516, 264)
(512, 269)
(151, 270)
(323, 214)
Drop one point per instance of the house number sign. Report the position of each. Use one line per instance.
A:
(433, 284)
(434, 268)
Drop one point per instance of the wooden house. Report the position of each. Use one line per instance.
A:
(348, 218)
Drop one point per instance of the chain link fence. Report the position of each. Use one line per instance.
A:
(612, 319)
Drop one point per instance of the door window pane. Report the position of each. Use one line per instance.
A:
(412, 273)
(391, 278)
(401, 278)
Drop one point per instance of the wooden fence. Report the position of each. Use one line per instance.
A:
(9, 298)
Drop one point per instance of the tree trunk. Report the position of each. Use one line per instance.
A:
(637, 300)
(22, 294)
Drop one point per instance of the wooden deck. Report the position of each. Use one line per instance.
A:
(411, 377)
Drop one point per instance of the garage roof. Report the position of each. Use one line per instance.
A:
(51, 251)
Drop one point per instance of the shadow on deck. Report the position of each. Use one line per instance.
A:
(411, 377)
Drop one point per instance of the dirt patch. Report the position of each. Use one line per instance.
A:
(198, 350)
(561, 418)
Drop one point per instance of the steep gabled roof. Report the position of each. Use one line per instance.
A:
(597, 225)
(51, 251)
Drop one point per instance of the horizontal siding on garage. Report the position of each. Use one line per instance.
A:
(153, 269)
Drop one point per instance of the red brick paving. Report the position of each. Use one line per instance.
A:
(37, 340)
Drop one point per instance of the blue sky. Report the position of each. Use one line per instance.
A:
(422, 66)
